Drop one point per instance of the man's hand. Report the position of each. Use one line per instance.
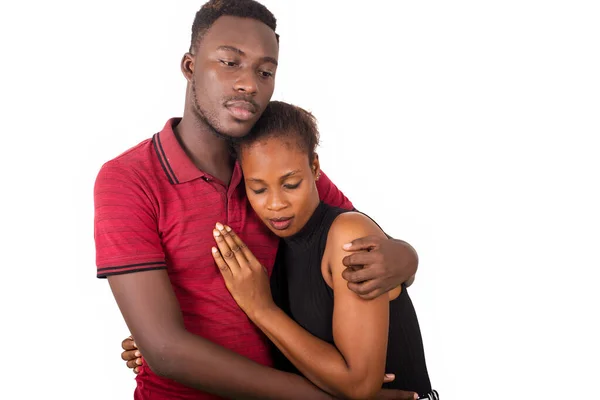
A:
(131, 355)
(392, 394)
(133, 358)
(378, 265)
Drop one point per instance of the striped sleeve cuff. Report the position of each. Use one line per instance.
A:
(126, 269)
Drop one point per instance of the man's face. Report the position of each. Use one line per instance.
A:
(233, 75)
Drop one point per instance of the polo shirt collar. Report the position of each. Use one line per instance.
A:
(175, 163)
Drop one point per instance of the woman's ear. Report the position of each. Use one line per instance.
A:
(316, 167)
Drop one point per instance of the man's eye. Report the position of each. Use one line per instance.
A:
(228, 63)
(259, 191)
(266, 74)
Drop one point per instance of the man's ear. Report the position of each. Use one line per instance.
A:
(187, 66)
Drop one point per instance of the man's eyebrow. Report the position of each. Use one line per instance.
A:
(241, 53)
(282, 177)
(271, 60)
(231, 48)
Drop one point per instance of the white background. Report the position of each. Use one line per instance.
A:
(468, 128)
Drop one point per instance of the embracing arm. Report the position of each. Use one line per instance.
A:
(412, 259)
(354, 367)
(130, 255)
(387, 264)
(152, 313)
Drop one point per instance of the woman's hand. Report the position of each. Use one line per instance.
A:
(246, 279)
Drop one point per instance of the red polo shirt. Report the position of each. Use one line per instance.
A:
(154, 209)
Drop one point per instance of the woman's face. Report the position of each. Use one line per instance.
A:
(280, 183)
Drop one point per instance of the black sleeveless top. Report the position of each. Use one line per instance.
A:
(301, 292)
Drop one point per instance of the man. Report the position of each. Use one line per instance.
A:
(155, 206)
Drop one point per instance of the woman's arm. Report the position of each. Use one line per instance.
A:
(388, 263)
(354, 367)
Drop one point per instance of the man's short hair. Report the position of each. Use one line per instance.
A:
(214, 9)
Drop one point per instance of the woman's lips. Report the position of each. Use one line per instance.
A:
(280, 224)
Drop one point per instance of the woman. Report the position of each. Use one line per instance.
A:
(342, 346)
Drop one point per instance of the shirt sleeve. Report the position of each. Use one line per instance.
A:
(125, 223)
(330, 194)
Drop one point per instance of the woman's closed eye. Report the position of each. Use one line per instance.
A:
(292, 186)
(288, 186)
(258, 191)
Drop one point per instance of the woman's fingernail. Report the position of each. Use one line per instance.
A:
(138, 354)
(214, 249)
(219, 226)
(134, 345)
(216, 233)
(138, 361)
(227, 228)
(347, 246)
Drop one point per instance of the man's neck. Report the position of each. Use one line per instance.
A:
(209, 153)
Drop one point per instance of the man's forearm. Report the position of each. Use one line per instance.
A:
(411, 279)
(198, 363)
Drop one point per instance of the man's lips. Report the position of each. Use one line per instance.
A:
(281, 223)
(242, 110)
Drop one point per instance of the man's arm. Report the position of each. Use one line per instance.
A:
(129, 253)
(152, 313)
(412, 250)
(377, 265)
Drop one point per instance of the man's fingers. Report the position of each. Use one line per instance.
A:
(366, 290)
(359, 274)
(128, 344)
(365, 243)
(134, 363)
(362, 258)
(130, 355)
(403, 395)
(393, 394)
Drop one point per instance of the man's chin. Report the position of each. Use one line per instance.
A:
(228, 128)
(236, 130)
